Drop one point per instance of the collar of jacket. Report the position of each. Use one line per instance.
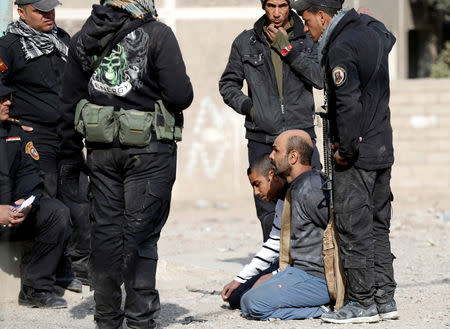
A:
(3, 130)
(300, 178)
(296, 33)
(350, 17)
(101, 27)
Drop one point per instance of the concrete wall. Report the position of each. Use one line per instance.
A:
(421, 124)
(10, 258)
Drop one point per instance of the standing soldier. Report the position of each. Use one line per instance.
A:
(32, 57)
(279, 63)
(353, 51)
(125, 86)
(46, 222)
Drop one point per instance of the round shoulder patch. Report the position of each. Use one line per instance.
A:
(339, 76)
(31, 150)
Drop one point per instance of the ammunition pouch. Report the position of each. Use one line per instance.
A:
(135, 127)
(102, 124)
(168, 125)
(96, 123)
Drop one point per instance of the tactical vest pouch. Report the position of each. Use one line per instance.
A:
(78, 122)
(96, 123)
(168, 126)
(135, 127)
(179, 123)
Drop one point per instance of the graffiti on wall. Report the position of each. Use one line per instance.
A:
(216, 140)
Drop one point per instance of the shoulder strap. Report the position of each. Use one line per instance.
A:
(119, 35)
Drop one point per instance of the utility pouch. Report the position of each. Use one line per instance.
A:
(96, 123)
(78, 122)
(179, 124)
(168, 126)
(135, 127)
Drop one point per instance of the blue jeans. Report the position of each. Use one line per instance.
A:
(288, 295)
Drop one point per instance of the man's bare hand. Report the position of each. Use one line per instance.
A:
(5, 211)
(229, 288)
(16, 218)
(261, 279)
(271, 32)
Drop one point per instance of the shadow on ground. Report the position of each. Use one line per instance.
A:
(240, 260)
(425, 284)
(84, 309)
(172, 313)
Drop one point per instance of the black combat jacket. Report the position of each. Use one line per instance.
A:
(309, 219)
(358, 90)
(145, 66)
(19, 169)
(36, 82)
(250, 59)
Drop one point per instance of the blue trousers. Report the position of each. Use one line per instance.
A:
(288, 295)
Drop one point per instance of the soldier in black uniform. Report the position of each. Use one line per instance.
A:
(33, 53)
(353, 52)
(125, 71)
(46, 222)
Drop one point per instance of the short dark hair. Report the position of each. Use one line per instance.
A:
(262, 166)
(302, 147)
(328, 10)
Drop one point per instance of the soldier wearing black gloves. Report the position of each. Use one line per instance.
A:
(46, 221)
(353, 52)
(33, 53)
(279, 63)
(125, 86)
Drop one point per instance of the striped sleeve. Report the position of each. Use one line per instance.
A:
(269, 252)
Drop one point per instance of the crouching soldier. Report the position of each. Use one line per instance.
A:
(46, 222)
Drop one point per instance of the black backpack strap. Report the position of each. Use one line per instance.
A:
(128, 27)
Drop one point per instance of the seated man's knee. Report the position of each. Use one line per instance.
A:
(245, 304)
(249, 304)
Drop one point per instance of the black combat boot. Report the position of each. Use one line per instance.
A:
(37, 298)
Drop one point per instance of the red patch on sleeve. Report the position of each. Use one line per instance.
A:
(3, 66)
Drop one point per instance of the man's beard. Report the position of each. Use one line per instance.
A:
(283, 170)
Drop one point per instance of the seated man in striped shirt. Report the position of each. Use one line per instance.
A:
(267, 186)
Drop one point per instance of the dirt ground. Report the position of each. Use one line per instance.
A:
(205, 244)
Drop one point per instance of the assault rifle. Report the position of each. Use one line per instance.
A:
(334, 272)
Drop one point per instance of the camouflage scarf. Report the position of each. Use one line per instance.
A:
(136, 8)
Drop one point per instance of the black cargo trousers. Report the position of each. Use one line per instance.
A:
(65, 182)
(129, 203)
(47, 230)
(362, 205)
